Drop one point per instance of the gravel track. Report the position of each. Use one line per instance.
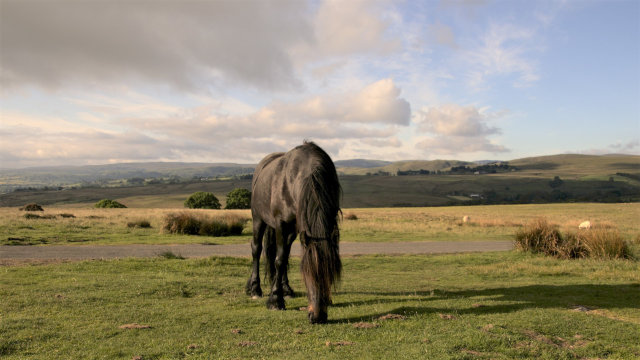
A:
(19, 254)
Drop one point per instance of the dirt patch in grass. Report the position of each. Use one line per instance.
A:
(392, 317)
(134, 326)
(576, 342)
(365, 325)
(601, 312)
(447, 316)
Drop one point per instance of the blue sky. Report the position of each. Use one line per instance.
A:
(97, 82)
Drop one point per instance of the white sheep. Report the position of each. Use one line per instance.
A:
(585, 225)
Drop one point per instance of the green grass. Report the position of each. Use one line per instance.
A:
(493, 305)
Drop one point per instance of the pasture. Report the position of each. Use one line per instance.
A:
(467, 306)
(462, 306)
(495, 222)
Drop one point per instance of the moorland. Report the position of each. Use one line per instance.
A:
(492, 305)
(549, 179)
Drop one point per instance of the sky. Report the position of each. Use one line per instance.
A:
(97, 82)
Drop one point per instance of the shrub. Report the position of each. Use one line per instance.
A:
(604, 244)
(32, 207)
(539, 237)
(198, 224)
(171, 256)
(109, 204)
(351, 216)
(202, 200)
(238, 199)
(600, 243)
(66, 215)
(139, 224)
(36, 216)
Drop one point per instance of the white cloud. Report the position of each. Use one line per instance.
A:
(452, 119)
(379, 102)
(131, 126)
(454, 145)
(181, 44)
(457, 129)
(620, 147)
(505, 49)
(352, 27)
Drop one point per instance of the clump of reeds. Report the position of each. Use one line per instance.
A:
(30, 216)
(171, 255)
(602, 243)
(540, 237)
(32, 207)
(351, 216)
(139, 224)
(200, 224)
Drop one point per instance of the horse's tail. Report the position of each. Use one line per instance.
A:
(270, 248)
(318, 209)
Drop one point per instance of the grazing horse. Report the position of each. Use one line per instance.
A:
(293, 193)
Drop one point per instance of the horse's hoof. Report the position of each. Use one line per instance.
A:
(289, 293)
(321, 318)
(275, 304)
(255, 297)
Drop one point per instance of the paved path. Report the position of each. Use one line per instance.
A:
(86, 252)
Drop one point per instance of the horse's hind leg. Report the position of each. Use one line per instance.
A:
(276, 298)
(253, 284)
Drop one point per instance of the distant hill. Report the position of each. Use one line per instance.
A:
(581, 178)
(406, 165)
(568, 166)
(575, 165)
(361, 163)
(105, 175)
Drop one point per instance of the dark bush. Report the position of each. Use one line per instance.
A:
(32, 207)
(109, 204)
(202, 200)
(238, 199)
(171, 256)
(198, 224)
(139, 224)
(539, 237)
(36, 216)
(351, 216)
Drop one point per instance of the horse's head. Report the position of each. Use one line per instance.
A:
(321, 267)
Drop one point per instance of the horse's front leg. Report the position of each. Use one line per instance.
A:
(276, 298)
(253, 284)
(286, 288)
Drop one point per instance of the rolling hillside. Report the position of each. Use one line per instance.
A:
(581, 178)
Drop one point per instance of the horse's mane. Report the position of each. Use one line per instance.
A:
(318, 208)
(319, 199)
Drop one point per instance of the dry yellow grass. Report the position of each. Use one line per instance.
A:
(486, 222)
(498, 222)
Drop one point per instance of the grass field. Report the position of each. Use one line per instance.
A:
(472, 306)
(495, 222)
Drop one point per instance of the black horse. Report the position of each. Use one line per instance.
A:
(296, 193)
